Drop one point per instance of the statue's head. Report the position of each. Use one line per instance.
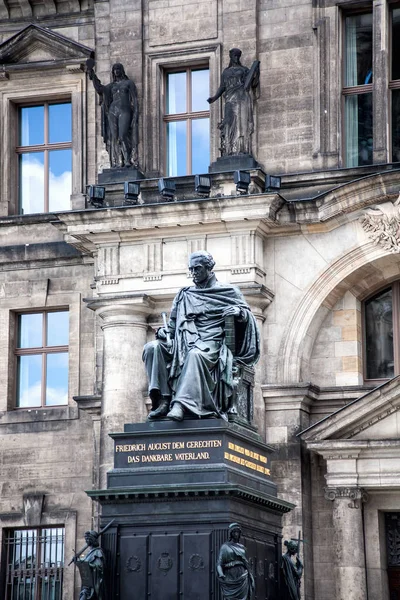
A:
(118, 72)
(235, 531)
(234, 55)
(201, 264)
(91, 538)
(292, 546)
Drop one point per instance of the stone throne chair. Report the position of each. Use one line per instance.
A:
(242, 403)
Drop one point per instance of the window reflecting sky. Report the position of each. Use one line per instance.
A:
(29, 381)
(200, 145)
(42, 189)
(176, 93)
(32, 126)
(60, 123)
(200, 90)
(176, 135)
(58, 328)
(57, 379)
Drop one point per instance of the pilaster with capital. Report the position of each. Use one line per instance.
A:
(350, 574)
(124, 325)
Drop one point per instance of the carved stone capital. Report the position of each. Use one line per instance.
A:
(354, 494)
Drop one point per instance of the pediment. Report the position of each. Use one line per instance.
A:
(34, 46)
(373, 416)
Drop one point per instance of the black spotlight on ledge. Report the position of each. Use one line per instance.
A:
(272, 183)
(131, 192)
(202, 185)
(242, 180)
(167, 188)
(95, 195)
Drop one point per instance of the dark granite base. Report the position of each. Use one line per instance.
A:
(172, 493)
(240, 162)
(119, 175)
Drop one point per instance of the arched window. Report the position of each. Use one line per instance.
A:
(382, 335)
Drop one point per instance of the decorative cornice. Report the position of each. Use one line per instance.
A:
(161, 494)
(354, 494)
(90, 404)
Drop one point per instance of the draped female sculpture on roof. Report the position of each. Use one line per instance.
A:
(237, 84)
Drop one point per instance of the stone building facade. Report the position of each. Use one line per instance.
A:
(317, 260)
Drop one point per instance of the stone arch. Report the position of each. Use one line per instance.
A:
(363, 270)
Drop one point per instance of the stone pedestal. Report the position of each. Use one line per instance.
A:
(173, 491)
(348, 542)
(119, 175)
(239, 162)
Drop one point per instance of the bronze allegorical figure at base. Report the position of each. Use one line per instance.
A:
(233, 569)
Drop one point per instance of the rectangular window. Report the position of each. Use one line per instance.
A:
(34, 564)
(357, 90)
(187, 122)
(42, 359)
(44, 154)
(394, 83)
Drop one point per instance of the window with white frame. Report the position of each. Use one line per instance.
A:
(187, 121)
(44, 155)
(41, 356)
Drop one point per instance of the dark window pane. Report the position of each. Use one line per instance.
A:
(176, 148)
(358, 130)
(379, 336)
(60, 123)
(58, 328)
(30, 331)
(396, 43)
(57, 379)
(176, 93)
(200, 145)
(31, 130)
(60, 179)
(31, 182)
(29, 380)
(358, 50)
(200, 90)
(396, 125)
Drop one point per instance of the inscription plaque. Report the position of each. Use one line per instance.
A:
(139, 453)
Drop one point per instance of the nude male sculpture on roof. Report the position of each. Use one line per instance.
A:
(193, 373)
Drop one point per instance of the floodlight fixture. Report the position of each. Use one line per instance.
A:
(272, 183)
(167, 188)
(202, 184)
(96, 195)
(131, 192)
(242, 180)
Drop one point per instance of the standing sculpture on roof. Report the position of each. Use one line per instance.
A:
(238, 85)
(119, 116)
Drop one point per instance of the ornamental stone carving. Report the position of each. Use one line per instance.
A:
(355, 495)
(382, 225)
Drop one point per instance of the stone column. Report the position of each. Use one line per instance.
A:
(124, 324)
(348, 542)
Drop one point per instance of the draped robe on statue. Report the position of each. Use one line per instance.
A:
(197, 370)
(92, 574)
(239, 582)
